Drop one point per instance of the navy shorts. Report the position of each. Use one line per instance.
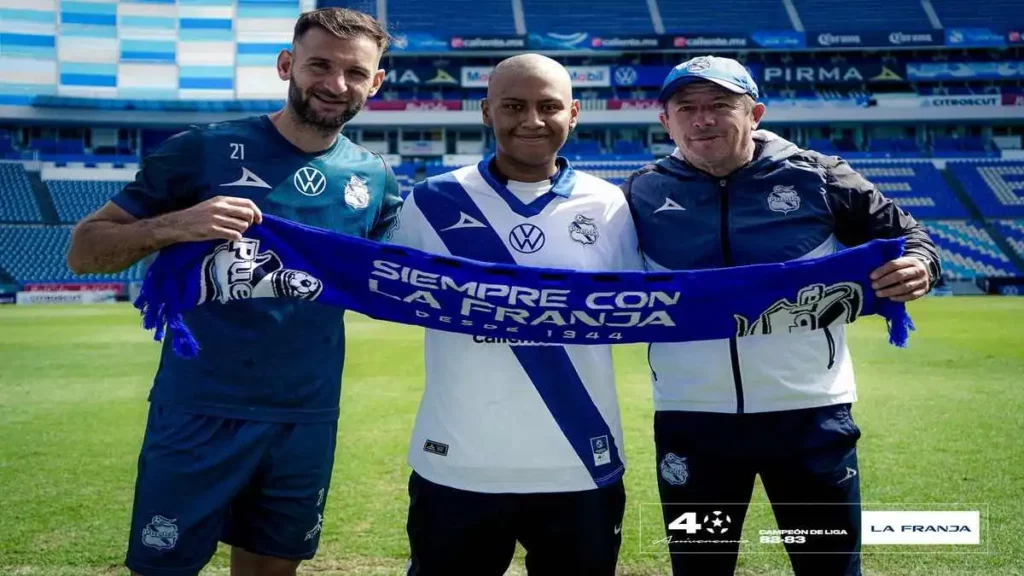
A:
(259, 486)
(454, 532)
(807, 460)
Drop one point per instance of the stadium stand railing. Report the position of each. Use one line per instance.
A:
(36, 253)
(886, 15)
(452, 17)
(17, 203)
(958, 13)
(919, 188)
(996, 187)
(76, 199)
(597, 17)
(722, 17)
(967, 251)
(1013, 231)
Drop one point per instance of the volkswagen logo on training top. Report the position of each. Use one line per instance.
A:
(526, 238)
(309, 181)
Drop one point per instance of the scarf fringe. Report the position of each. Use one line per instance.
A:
(157, 317)
(900, 327)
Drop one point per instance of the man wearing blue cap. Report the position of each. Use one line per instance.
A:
(775, 405)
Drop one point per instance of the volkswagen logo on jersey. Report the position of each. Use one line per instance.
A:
(309, 181)
(526, 238)
(237, 270)
(817, 306)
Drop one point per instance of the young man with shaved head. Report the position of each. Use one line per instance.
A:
(515, 440)
(239, 444)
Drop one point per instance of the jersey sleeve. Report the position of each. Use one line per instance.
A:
(387, 217)
(409, 222)
(168, 180)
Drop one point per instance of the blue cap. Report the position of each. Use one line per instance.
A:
(725, 72)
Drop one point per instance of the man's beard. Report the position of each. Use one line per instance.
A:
(303, 109)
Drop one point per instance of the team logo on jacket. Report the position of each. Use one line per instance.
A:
(817, 306)
(161, 533)
(783, 199)
(357, 195)
(236, 270)
(674, 470)
(583, 230)
(309, 181)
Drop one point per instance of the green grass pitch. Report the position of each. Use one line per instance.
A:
(943, 422)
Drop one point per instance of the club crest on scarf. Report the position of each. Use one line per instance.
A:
(236, 270)
(817, 306)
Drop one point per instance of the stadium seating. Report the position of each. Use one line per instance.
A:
(593, 16)
(918, 188)
(898, 146)
(75, 199)
(451, 17)
(946, 146)
(614, 171)
(17, 204)
(34, 253)
(883, 15)
(365, 6)
(1013, 230)
(721, 17)
(958, 13)
(967, 251)
(997, 187)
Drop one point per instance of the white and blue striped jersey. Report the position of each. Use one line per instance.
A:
(501, 415)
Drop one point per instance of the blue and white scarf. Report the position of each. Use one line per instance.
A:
(282, 259)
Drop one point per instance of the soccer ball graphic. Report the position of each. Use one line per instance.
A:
(301, 284)
(716, 522)
(296, 284)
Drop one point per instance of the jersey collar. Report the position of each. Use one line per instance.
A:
(562, 184)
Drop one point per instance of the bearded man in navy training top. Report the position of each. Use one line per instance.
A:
(240, 440)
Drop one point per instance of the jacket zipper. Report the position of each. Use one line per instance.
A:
(727, 257)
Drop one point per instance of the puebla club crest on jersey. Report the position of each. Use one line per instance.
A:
(357, 194)
(583, 230)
